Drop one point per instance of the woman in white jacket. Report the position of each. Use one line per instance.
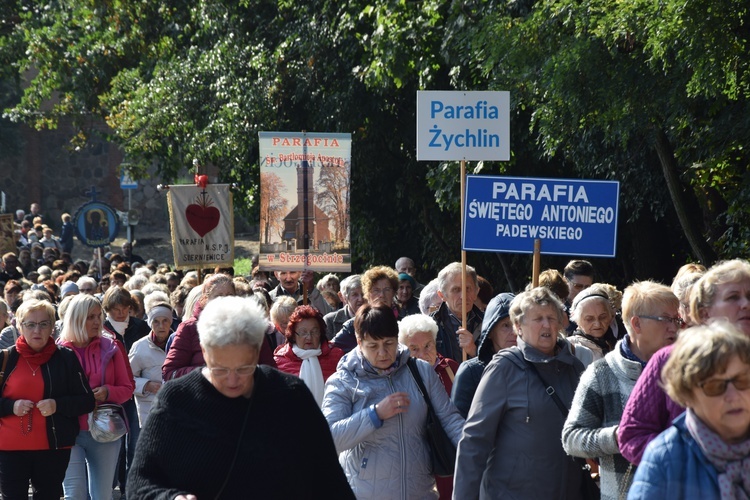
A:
(378, 416)
(147, 356)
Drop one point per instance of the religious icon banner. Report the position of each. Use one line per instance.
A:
(96, 224)
(304, 201)
(202, 223)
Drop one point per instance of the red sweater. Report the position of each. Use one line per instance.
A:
(22, 384)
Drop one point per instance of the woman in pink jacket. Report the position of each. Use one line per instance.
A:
(106, 367)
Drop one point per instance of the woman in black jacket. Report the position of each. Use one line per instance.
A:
(41, 396)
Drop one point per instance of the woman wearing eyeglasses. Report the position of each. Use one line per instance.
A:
(706, 451)
(722, 293)
(307, 353)
(650, 313)
(214, 432)
(43, 393)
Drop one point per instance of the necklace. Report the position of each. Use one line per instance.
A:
(33, 371)
(27, 429)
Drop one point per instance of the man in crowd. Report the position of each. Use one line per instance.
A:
(351, 296)
(290, 284)
(406, 265)
(451, 338)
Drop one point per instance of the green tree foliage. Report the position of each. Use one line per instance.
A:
(633, 91)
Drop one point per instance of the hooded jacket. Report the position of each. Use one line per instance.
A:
(510, 447)
(385, 459)
(470, 372)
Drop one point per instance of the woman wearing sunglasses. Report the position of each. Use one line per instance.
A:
(706, 451)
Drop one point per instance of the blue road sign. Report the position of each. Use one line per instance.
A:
(569, 216)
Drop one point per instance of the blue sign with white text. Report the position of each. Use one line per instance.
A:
(569, 216)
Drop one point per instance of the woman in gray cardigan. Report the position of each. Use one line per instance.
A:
(378, 416)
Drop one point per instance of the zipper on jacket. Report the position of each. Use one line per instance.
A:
(401, 443)
(51, 417)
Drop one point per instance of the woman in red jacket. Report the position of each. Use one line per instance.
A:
(45, 404)
(307, 353)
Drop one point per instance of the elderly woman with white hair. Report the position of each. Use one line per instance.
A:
(418, 332)
(226, 410)
(147, 355)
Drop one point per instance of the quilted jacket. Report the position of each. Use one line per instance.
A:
(390, 461)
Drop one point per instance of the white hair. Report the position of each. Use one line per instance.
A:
(428, 296)
(230, 321)
(143, 270)
(416, 323)
(135, 282)
(282, 306)
(152, 287)
(154, 298)
(349, 284)
(452, 269)
(86, 280)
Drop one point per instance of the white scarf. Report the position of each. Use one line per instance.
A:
(310, 371)
(119, 326)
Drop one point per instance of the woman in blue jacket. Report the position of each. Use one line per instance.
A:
(706, 452)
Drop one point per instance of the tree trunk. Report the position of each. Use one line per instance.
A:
(697, 242)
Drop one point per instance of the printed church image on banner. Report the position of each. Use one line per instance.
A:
(306, 223)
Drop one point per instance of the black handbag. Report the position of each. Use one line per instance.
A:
(589, 489)
(442, 451)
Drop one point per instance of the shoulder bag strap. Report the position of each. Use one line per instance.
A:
(412, 364)
(6, 355)
(549, 389)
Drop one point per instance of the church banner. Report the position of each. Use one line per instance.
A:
(202, 223)
(304, 201)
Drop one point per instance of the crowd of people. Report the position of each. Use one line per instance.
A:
(569, 390)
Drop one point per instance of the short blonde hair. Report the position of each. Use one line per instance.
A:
(416, 323)
(700, 352)
(645, 298)
(703, 293)
(539, 296)
(31, 305)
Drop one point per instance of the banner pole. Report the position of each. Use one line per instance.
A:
(463, 255)
(537, 262)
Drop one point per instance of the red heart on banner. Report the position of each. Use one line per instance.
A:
(202, 219)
